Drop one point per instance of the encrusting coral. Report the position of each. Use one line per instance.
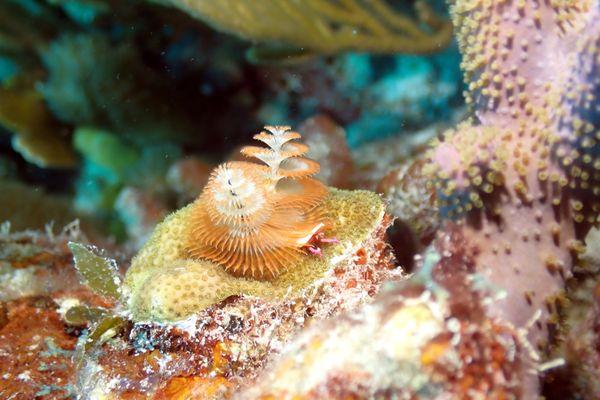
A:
(255, 220)
(255, 230)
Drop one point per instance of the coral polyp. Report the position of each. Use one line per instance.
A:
(253, 220)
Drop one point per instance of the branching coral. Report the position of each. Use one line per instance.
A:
(326, 27)
(254, 220)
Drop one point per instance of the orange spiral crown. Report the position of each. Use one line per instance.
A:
(254, 219)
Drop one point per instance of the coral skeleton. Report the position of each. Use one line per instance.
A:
(254, 220)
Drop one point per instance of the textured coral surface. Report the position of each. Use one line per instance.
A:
(164, 264)
(520, 173)
(233, 339)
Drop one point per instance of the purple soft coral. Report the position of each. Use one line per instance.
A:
(522, 176)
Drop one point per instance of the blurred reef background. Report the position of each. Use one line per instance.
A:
(114, 112)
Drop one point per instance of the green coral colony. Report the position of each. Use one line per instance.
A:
(165, 283)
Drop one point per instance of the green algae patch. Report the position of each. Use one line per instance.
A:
(166, 285)
(99, 274)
